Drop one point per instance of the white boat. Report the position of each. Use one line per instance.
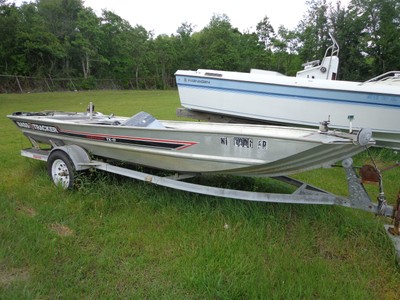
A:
(192, 147)
(303, 100)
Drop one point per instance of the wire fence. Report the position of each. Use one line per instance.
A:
(26, 84)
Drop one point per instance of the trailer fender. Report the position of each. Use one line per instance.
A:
(79, 156)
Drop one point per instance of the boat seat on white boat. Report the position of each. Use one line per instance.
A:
(143, 119)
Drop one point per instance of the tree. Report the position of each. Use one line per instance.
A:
(125, 48)
(380, 35)
(265, 33)
(389, 33)
(348, 31)
(285, 45)
(314, 31)
(40, 48)
(185, 30)
(251, 53)
(58, 38)
(165, 58)
(186, 44)
(87, 39)
(9, 23)
(60, 18)
(139, 39)
(218, 44)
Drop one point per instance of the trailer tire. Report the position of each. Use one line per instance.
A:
(61, 169)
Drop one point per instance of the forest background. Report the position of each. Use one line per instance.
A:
(64, 45)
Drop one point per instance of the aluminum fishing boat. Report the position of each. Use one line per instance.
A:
(313, 95)
(192, 147)
(76, 142)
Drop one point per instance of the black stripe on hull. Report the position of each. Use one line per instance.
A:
(137, 141)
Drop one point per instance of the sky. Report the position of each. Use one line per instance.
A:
(165, 16)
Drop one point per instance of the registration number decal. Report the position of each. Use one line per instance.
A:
(244, 142)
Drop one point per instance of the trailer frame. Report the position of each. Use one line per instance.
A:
(73, 158)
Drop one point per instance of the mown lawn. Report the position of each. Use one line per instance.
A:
(120, 238)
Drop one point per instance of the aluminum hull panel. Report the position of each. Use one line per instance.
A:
(193, 147)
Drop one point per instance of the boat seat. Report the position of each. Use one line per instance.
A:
(143, 119)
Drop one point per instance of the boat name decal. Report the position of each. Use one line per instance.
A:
(38, 127)
(193, 80)
(245, 142)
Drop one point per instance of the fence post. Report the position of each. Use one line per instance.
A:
(20, 88)
(48, 86)
(70, 80)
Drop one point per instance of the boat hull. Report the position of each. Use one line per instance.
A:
(193, 147)
(294, 101)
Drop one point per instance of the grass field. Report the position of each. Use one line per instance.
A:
(119, 238)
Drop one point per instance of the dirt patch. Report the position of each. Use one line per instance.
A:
(27, 211)
(8, 277)
(61, 230)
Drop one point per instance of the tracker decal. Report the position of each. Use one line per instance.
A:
(38, 127)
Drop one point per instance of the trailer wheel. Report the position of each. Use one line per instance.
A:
(61, 169)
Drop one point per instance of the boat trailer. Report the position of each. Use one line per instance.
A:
(64, 162)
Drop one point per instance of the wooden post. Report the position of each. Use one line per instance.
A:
(20, 88)
(48, 86)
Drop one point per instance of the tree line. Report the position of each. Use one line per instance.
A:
(65, 39)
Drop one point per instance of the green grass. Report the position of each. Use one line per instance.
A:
(120, 238)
